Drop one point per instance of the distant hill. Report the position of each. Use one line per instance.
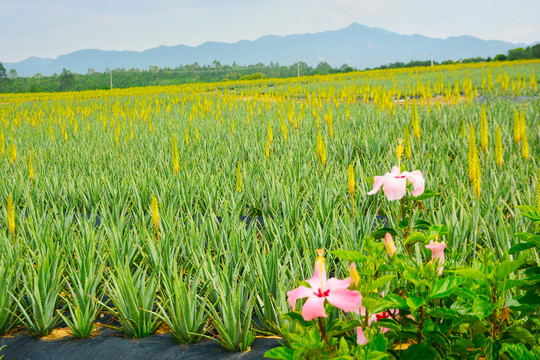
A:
(356, 45)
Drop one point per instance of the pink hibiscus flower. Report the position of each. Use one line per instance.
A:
(361, 336)
(334, 290)
(437, 253)
(394, 183)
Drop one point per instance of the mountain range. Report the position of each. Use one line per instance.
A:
(356, 45)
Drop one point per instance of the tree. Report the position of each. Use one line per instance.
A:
(66, 79)
(12, 74)
(3, 73)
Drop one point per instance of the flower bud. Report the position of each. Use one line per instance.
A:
(389, 244)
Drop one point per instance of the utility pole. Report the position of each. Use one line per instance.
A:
(110, 74)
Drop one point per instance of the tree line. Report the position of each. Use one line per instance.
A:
(195, 73)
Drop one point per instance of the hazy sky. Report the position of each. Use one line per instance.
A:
(48, 28)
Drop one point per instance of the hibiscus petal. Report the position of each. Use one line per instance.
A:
(298, 293)
(360, 336)
(417, 180)
(314, 307)
(335, 284)
(345, 299)
(395, 171)
(394, 189)
(378, 181)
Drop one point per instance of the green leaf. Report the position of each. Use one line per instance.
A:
(354, 256)
(520, 247)
(394, 301)
(415, 237)
(443, 313)
(297, 317)
(421, 225)
(516, 352)
(445, 287)
(379, 343)
(343, 347)
(280, 353)
(415, 302)
(482, 308)
(506, 268)
(425, 195)
(381, 281)
(438, 229)
(419, 351)
(522, 335)
(470, 273)
(381, 233)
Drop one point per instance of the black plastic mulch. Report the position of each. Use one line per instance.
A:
(110, 344)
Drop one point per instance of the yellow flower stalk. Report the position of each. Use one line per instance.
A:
(266, 149)
(532, 81)
(408, 149)
(355, 276)
(175, 160)
(483, 130)
(2, 141)
(238, 178)
(155, 214)
(187, 136)
(11, 216)
(477, 179)
(399, 151)
(499, 146)
(232, 125)
(31, 165)
(415, 122)
(472, 154)
(150, 125)
(321, 151)
(351, 185)
(284, 129)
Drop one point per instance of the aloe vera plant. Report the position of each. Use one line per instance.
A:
(231, 315)
(133, 296)
(183, 305)
(84, 283)
(42, 283)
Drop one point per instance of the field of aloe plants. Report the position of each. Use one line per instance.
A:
(212, 211)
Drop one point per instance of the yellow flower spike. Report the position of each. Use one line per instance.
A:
(483, 130)
(11, 216)
(355, 276)
(196, 134)
(238, 178)
(415, 122)
(187, 136)
(320, 265)
(155, 214)
(472, 154)
(399, 152)
(175, 160)
(499, 146)
(477, 179)
(351, 185)
(31, 165)
(266, 149)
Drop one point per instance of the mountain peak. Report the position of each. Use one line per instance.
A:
(357, 45)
